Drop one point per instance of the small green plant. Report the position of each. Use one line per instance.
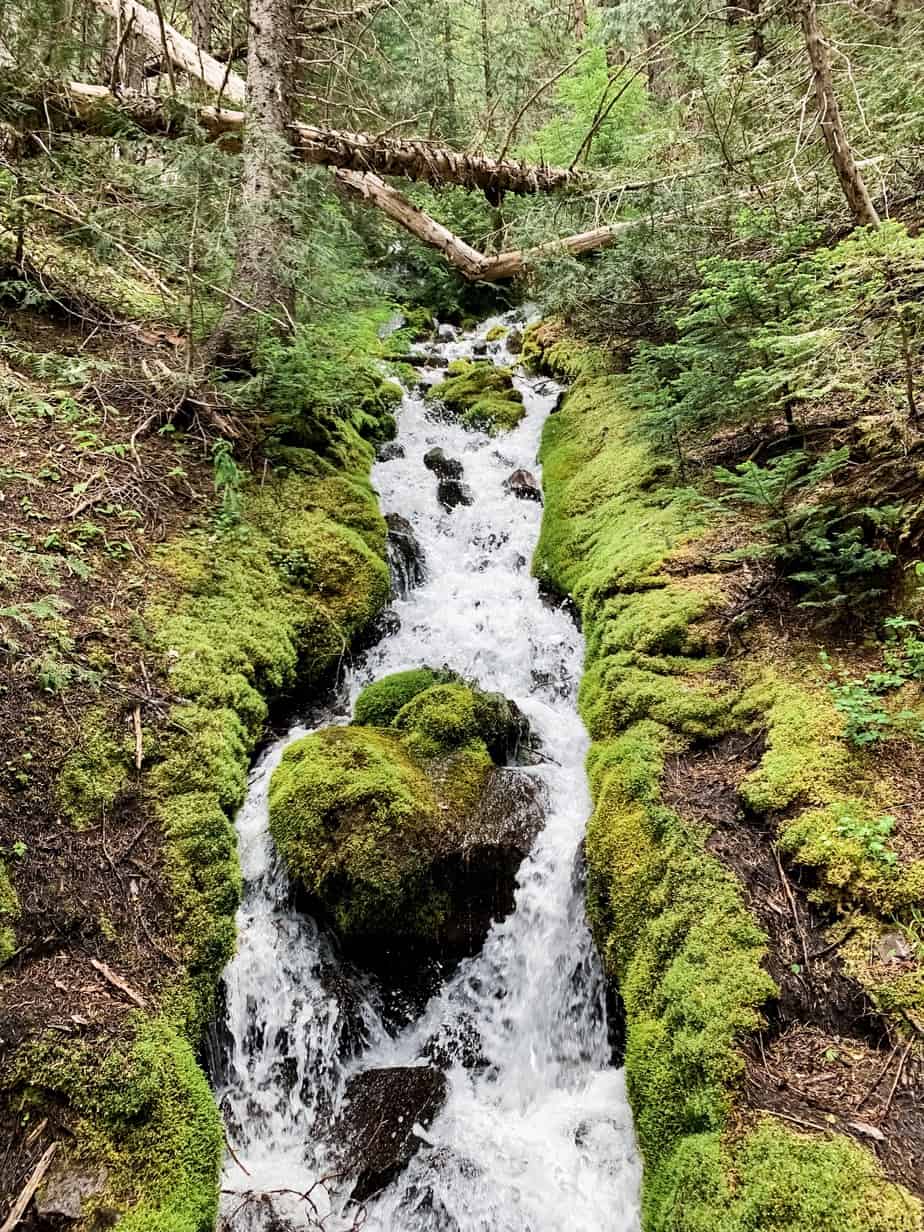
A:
(227, 478)
(871, 835)
(818, 548)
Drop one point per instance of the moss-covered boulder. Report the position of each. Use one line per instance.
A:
(481, 395)
(403, 829)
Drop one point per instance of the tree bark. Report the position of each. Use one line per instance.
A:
(832, 125)
(200, 18)
(265, 229)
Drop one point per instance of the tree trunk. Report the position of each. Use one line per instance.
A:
(580, 20)
(486, 66)
(200, 17)
(265, 230)
(832, 124)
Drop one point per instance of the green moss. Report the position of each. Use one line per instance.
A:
(96, 773)
(9, 910)
(495, 333)
(481, 394)
(771, 1180)
(807, 759)
(359, 819)
(669, 920)
(547, 347)
(144, 1110)
(378, 704)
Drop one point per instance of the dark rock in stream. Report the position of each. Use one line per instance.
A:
(515, 341)
(376, 1130)
(479, 348)
(559, 402)
(405, 556)
(390, 451)
(456, 1043)
(447, 333)
(451, 493)
(524, 486)
(444, 468)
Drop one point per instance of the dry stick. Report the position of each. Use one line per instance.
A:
(784, 882)
(898, 1074)
(163, 38)
(28, 1191)
(117, 982)
(139, 747)
(878, 1079)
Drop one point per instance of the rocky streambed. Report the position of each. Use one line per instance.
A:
(416, 1032)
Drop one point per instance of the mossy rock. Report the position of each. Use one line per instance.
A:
(481, 395)
(403, 832)
(495, 333)
(379, 703)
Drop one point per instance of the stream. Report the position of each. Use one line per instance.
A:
(539, 1137)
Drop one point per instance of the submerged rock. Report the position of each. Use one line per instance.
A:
(444, 468)
(407, 834)
(451, 493)
(405, 555)
(377, 1129)
(524, 486)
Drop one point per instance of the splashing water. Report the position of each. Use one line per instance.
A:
(539, 1137)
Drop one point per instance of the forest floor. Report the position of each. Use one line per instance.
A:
(84, 499)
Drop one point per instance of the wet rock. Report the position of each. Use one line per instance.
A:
(387, 624)
(479, 348)
(451, 493)
(444, 468)
(405, 556)
(425, 359)
(447, 333)
(515, 341)
(390, 451)
(62, 1198)
(524, 486)
(376, 1130)
(559, 402)
(455, 1043)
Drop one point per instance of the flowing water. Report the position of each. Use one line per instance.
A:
(539, 1138)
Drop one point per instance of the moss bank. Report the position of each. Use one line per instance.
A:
(240, 612)
(669, 919)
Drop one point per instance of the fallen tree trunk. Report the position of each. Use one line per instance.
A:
(413, 160)
(474, 265)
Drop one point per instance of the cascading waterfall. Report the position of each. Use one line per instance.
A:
(538, 1137)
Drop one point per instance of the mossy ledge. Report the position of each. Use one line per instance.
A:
(240, 612)
(669, 920)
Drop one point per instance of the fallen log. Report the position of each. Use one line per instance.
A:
(423, 161)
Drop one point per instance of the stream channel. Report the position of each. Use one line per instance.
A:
(537, 1137)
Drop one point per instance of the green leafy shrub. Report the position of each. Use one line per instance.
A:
(811, 541)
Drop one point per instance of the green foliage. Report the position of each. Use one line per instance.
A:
(864, 703)
(763, 338)
(482, 395)
(834, 569)
(227, 478)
